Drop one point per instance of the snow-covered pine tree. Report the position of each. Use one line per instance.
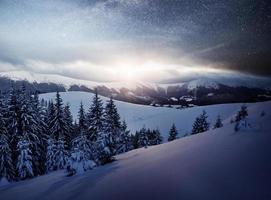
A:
(201, 124)
(242, 114)
(82, 123)
(24, 162)
(69, 123)
(51, 155)
(143, 139)
(112, 125)
(59, 133)
(102, 151)
(6, 166)
(135, 140)
(28, 129)
(81, 158)
(39, 156)
(61, 154)
(218, 123)
(94, 118)
(49, 117)
(172, 133)
(59, 127)
(125, 143)
(154, 137)
(13, 115)
(241, 119)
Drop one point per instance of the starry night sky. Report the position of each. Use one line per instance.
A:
(54, 36)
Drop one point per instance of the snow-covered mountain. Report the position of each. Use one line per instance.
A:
(225, 88)
(218, 164)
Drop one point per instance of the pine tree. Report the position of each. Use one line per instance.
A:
(82, 123)
(39, 156)
(60, 134)
(61, 154)
(51, 155)
(81, 158)
(13, 115)
(24, 162)
(218, 123)
(125, 143)
(29, 129)
(59, 127)
(6, 166)
(69, 124)
(172, 133)
(200, 124)
(49, 117)
(154, 137)
(94, 118)
(112, 125)
(143, 140)
(242, 114)
(241, 119)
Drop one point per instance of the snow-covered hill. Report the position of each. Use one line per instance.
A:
(137, 116)
(218, 164)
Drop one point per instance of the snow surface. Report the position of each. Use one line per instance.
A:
(218, 164)
(162, 118)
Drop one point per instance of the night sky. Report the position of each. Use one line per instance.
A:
(100, 38)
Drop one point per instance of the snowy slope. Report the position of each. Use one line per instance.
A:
(137, 116)
(219, 164)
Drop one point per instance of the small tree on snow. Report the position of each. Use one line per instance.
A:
(218, 123)
(242, 113)
(241, 119)
(200, 125)
(24, 163)
(81, 158)
(172, 133)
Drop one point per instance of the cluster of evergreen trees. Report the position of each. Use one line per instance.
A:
(37, 137)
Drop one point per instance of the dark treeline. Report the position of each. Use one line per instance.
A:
(37, 137)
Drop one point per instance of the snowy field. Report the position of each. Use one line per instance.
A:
(162, 118)
(218, 164)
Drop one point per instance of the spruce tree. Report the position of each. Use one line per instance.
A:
(143, 139)
(39, 156)
(242, 114)
(81, 158)
(218, 123)
(6, 166)
(241, 119)
(154, 137)
(200, 125)
(59, 127)
(172, 133)
(69, 124)
(94, 118)
(28, 129)
(125, 143)
(112, 125)
(82, 123)
(51, 155)
(60, 133)
(24, 162)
